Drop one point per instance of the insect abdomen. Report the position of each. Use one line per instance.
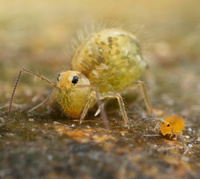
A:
(110, 59)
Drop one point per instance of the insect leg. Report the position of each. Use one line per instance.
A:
(97, 95)
(88, 105)
(144, 93)
(17, 82)
(35, 107)
(158, 123)
(172, 133)
(156, 127)
(121, 105)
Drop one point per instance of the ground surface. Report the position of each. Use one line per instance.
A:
(45, 143)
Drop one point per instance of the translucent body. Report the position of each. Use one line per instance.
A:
(110, 59)
(106, 63)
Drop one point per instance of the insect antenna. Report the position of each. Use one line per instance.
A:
(157, 121)
(18, 79)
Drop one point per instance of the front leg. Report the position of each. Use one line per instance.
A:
(88, 106)
(94, 95)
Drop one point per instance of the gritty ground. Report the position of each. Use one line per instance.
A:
(44, 143)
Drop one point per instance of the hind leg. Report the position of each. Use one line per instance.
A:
(143, 90)
(121, 105)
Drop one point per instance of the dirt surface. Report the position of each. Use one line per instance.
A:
(45, 143)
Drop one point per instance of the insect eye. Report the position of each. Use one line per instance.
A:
(168, 125)
(58, 77)
(75, 79)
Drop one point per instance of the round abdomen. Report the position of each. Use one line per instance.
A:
(110, 59)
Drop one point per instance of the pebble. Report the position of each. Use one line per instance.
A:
(190, 146)
(2, 119)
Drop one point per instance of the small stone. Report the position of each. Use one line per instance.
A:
(190, 146)
(50, 157)
(2, 119)
(56, 123)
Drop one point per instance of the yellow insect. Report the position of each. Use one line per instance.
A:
(172, 125)
(106, 63)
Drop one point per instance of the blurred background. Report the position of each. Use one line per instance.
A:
(38, 35)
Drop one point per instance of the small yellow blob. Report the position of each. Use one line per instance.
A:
(172, 125)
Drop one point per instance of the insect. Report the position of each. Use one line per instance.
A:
(105, 65)
(172, 125)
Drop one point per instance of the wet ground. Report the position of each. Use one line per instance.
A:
(44, 143)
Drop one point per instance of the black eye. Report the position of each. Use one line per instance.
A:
(168, 125)
(75, 79)
(58, 77)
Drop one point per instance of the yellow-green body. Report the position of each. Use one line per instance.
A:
(110, 59)
(106, 63)
(70, 98)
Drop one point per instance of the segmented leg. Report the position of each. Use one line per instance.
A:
(172, 134)
(103, 96)
(156, 127)
(176, 134)
(88, 106)
(144, 93)
(94, 94)
(121, 105)
(37, 106)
